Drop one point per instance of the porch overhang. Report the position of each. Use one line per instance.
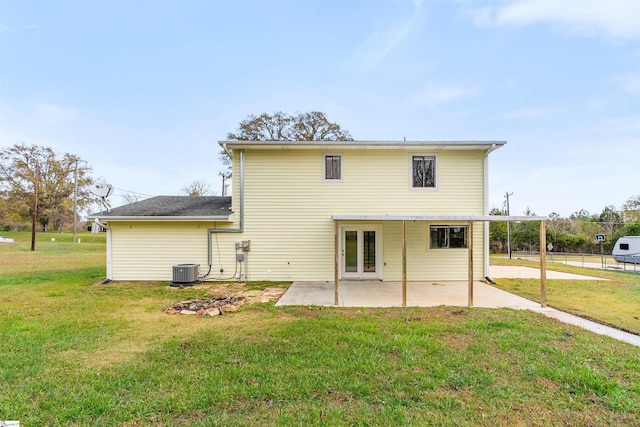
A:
(469, 219)
(482, 218)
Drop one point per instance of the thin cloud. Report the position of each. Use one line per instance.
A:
(433, 95)
(611, 18)
(54, 114)
(530, 113)
(628, 124)
(385, 39)
(631, 82)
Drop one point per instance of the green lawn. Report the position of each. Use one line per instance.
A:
(615, 301)
(75, 352)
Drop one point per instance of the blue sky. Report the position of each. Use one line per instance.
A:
(143, 90)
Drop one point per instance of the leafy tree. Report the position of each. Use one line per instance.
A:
(279, 126)
(314, 126)
(527, 233)
(498, 233)
(610, 222)
(198, 188)
(582, 215)
(56, 177)
(631, 209)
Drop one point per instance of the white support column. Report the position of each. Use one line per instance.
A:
(404, 263)
(336, 260)
(470, 251)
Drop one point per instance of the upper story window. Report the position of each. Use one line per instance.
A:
(423, 170)
(332, 167)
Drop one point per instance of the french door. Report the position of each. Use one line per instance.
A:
(361, 252)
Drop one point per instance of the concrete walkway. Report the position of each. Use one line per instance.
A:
(431, 294)
(517, 272)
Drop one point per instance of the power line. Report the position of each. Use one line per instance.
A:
(133, 192)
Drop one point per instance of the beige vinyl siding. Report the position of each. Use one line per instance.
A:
(148, 251)
(424, 263)
(289, 209)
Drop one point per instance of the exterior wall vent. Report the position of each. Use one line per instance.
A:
(185, 274)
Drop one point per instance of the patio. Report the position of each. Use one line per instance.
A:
(389, 294)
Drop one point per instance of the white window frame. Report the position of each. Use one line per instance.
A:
(361, 274)
(435, 172)
(324, 167)
(448, 227)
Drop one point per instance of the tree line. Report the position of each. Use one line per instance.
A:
(574, 234)
(60, 181)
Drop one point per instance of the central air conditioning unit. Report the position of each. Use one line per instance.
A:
(185, 274)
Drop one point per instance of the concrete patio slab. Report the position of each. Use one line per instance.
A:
(389, 294)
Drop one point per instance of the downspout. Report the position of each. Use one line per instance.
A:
(240, 228)
(109, 258)
(486, 210)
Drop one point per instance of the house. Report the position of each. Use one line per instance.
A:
(319, 211)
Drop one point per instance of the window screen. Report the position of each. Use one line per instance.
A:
(332, 167)
(424, 173)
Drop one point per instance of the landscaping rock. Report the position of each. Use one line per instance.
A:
(229, 308)
(213, 312)
(207, 306)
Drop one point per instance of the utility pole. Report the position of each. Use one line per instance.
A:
(75, 200)
(506, 195)
(35, 208)
(224, 176)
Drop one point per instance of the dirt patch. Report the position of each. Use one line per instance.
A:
(251, 296)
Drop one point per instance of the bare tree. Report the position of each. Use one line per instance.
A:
(130, 197)
(279, 126)
(198, 188)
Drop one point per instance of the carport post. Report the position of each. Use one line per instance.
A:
(470, 251)
(336, 261)
(404, 263)
(543, 264)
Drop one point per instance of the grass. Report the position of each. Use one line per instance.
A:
(75, 352)
(53, 252)
(614, 301)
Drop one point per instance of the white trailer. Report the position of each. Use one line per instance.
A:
(627, 250)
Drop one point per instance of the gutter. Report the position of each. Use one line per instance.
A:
(177, 218)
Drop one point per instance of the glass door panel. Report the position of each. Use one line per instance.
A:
(361, 250)
(369, 251)
(351, 251)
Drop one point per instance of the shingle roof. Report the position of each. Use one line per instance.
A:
(172, 206)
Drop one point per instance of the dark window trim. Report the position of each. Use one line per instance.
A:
(447, 236)
(327, 176)
(424, 178)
